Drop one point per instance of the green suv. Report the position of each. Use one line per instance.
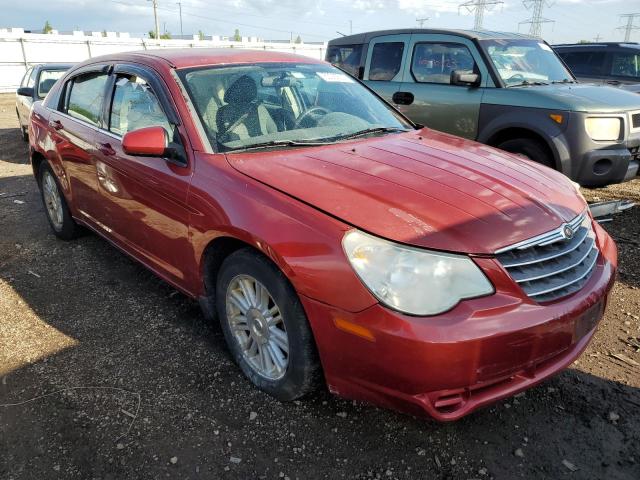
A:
(506, 90)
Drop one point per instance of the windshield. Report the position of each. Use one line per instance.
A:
(526, 62)
(269, 105)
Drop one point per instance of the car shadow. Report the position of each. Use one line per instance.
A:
(156, 383)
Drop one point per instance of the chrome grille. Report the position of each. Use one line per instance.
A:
(554, 264)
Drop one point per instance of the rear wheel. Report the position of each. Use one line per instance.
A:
(530, 148)
(55, 205)
(265, 326)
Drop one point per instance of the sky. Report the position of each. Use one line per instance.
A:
(317, 20)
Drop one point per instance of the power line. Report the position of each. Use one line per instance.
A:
(536, 20)
(629, 27)
(479, 6)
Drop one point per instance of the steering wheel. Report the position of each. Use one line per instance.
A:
(313, 112)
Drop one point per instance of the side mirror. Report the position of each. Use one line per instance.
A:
(463, 78)
(25, 91)
(149, 142)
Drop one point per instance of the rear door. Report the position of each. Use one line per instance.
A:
(437, 103)
(144, 198)
(384, 67)
(73, 130)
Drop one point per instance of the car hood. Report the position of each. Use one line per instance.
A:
(422, 188)
(575, 97)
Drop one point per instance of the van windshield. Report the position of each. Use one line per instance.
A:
(526, 62)
(271, 105)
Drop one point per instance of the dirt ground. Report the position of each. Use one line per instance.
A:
(107, 373)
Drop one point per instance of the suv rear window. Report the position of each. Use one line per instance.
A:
(85, 98)
(345, 57)
(584, 62)
(625, 64)
(386, 61)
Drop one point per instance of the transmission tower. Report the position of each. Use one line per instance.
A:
(629, 27)
(479, 6)
(536, 20)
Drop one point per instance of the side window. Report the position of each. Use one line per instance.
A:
(584, 62)
(625, 64)
(135, 106)
(386, 61)
(47, 79)
(85, 97)
(25, 79)
(434, 62)
(346, 57)
(32, 77)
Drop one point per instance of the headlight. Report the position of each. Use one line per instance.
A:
(413, 280)
(604, 128)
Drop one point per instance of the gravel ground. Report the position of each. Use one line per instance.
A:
(107, 372)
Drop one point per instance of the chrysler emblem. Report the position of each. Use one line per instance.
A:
(568, 232)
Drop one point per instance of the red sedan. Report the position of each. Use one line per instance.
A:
(333, 239)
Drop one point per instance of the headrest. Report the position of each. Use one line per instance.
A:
(242, 91)
(46, 85)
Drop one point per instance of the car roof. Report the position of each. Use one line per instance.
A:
(54, 66)
(632, 45)
(470, 34)
(195, 57)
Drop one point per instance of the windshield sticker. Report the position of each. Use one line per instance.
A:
(335, 77)
(546, 47)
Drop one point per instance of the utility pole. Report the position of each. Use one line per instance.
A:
(422, 21)
(180, 10)
(629, 27)
(155, 17)
(597, 38)
(536, 20)
(350, 27)
(479, 6)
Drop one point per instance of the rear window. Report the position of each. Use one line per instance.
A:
(346, 57)
(626, 64)
(85, 98)
(386, 60)
(584, 62)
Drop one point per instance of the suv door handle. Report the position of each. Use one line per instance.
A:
(613, 82)
(56, 124)
(403, 98)
(106, 149)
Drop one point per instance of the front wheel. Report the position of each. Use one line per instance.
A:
(529, 148)
(265, 326)
(55, 205)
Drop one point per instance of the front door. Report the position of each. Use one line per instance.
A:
(436, 102)
(144, 198)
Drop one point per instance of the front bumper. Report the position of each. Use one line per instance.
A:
(448, 365)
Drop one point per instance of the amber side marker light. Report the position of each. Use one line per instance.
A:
(354, 329)
(556, 117)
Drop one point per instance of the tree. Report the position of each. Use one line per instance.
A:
(298, 39)
(200, 35)
(152, 34)
(165, 36)
(236, 36)
(47, 27)
(104, 33)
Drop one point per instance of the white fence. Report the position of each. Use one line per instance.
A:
(19, 51)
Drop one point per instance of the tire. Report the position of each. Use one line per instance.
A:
(302, 371)
(530, 148)
(55, 205)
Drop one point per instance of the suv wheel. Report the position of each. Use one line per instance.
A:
(265, 326)
(529, 148)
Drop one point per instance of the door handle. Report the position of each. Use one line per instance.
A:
(106, 149)
(613, 82)
(403, 98)
(56, 124)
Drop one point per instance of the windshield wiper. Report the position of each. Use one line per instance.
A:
(279, 143)
(369, 131)
(566, 80)
(527, 83)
